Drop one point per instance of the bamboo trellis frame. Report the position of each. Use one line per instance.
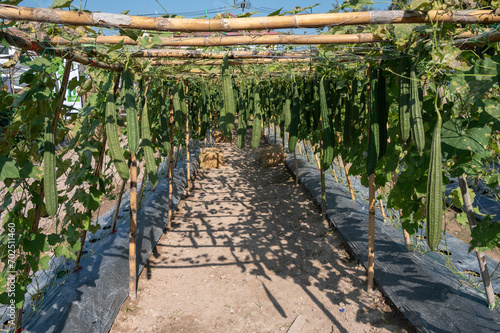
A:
(181, 53)
(229, 41)
(230, 62)
(17, 13)
(27, 44)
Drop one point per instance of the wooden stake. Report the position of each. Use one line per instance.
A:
(66, 17)
(317, 161)
(305, 149)
(300, 150)
(188, 157)
(349, 183)
(371, 231)
(335, 173)
(274, 130)
(296, 169)
(171, 163)
(118, 203)
(381, 203)
(132, 252)
(481, 259)
(323, 185)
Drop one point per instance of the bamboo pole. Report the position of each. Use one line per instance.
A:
(296, 169)
(334, 173)
(188, 157)
(322, 175)
(41, 48)
(171, 163)
(204, 62)
(17, 13)
(118, 204)
(193, 54)
(305, 149)
(381, 203)
(132, 252)
(233, 40)
(317, 161)
(371, 231)
(481, 259)
(349, 183)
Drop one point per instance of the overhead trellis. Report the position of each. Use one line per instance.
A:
(353, 102)
(109, 20)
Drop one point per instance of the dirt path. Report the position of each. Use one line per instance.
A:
(249, 252)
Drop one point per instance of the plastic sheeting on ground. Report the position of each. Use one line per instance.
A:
(89, 299)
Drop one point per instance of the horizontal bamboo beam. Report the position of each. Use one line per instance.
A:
(41, 48)
(227, 41)
(478, 40)
(180, 53)
(109, 20)
(230, 62)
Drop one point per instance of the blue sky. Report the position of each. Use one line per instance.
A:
(190, 8)
(195, 8)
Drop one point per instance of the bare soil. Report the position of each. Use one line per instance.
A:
(250, 252)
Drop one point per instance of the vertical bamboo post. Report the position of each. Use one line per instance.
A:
(323, 185)
(188, 157)
(132, 282)
(300, 150)
(171, 163)
(490, 295)
(296, 168)
(334, 173)
(305, 149)
(118, 203)
(269, 127)
(381, 203)
(317, 161)
(371, 231)
(351, 190)
(274, 131)
(406, 235)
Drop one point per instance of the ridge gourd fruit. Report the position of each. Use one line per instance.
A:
(113, 141)
(49, 169)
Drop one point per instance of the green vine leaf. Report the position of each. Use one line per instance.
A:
(456, 195)
(486, 235)
(459, 139)
(61, 3)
